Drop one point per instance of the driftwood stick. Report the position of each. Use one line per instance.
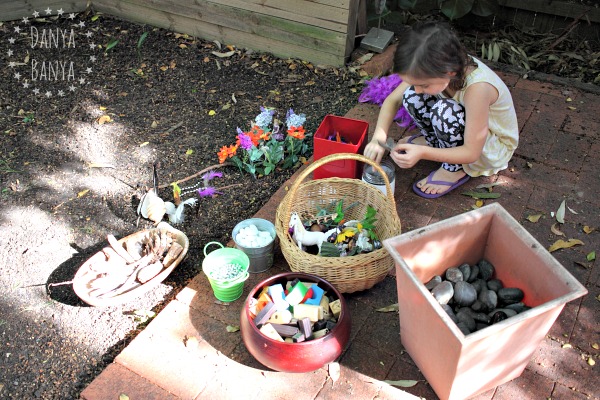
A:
(187, 178)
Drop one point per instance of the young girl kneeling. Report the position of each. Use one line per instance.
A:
(462, 109)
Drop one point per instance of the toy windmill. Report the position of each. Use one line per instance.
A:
(377, 39)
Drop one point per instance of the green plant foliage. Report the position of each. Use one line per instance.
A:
(455, 9)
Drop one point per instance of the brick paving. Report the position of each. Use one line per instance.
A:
(187, 353)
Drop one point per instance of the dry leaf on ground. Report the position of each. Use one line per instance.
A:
(561, 244)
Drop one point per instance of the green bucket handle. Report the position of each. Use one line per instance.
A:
(209, 243)
(239, 279)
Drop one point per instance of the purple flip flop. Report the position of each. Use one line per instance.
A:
(413, 137)
(451, 186)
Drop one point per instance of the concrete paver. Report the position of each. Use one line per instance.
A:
(187, 353)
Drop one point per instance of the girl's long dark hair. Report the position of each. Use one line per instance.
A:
(432, 50)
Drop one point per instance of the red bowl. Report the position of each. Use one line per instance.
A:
(295, 357)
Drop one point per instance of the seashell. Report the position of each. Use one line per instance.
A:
(152, 207)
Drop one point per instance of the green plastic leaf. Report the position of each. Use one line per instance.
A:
(591, 256)
(142, 39)
(111, 43)
(560, 213)
(481, 195)
(403, 383)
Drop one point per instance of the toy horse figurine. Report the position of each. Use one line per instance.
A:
(304, 237)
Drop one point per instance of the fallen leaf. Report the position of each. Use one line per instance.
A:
(595, 346)
(567, 346)
(172, 65)
(591, 256)
(212, 112)
(334, 371)
(164, 68)
(572, 108)
(479, 203)
(123, 396)
(488, 185)
(231, 328)
(223, 55)
(182, 46)
(189, 152)
(402, 383)
(154, 124)
(582, 265)
(568, 100)
(144, 144)
(534, 218)
(83, 193)
(572, 211)
(481, 195)
(587, 229)
(591, 361)
(555, 230)
(100, 165)
(560, 213)
(529, 165)
(561, 244)
(102, 108)
(391, 308)
(103, 119)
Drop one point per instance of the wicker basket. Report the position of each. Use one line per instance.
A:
(347, 274)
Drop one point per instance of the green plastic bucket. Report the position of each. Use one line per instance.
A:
(227, 270)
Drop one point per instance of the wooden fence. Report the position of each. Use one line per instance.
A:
(319, 31)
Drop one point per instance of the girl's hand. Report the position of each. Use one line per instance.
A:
(374, 151)
(407, 155)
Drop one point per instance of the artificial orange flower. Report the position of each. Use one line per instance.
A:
(255, 134)
(296, 132)
(232, 150)
(222, 154)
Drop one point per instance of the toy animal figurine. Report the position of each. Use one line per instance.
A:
(304, 237)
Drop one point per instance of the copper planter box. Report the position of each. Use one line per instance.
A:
(459, 366)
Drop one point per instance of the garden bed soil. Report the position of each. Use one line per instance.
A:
(74, 163)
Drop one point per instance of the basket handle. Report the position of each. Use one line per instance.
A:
(337, 157)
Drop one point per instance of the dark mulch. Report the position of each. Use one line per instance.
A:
(57, 209)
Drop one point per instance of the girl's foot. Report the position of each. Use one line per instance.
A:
(440, 182)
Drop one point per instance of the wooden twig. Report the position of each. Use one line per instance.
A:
(568, 29)
(187, 178)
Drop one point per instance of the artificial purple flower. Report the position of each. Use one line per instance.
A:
(245, 141)
(207, 177)
(265, 117)
(377, 89)
(293, 119)
(208, 191)
(276, 134)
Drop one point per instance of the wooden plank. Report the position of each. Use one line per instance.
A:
(207, 31)
(296, 10)
(259, 24)
(17, 9)
(560, 8)
(353, 9)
